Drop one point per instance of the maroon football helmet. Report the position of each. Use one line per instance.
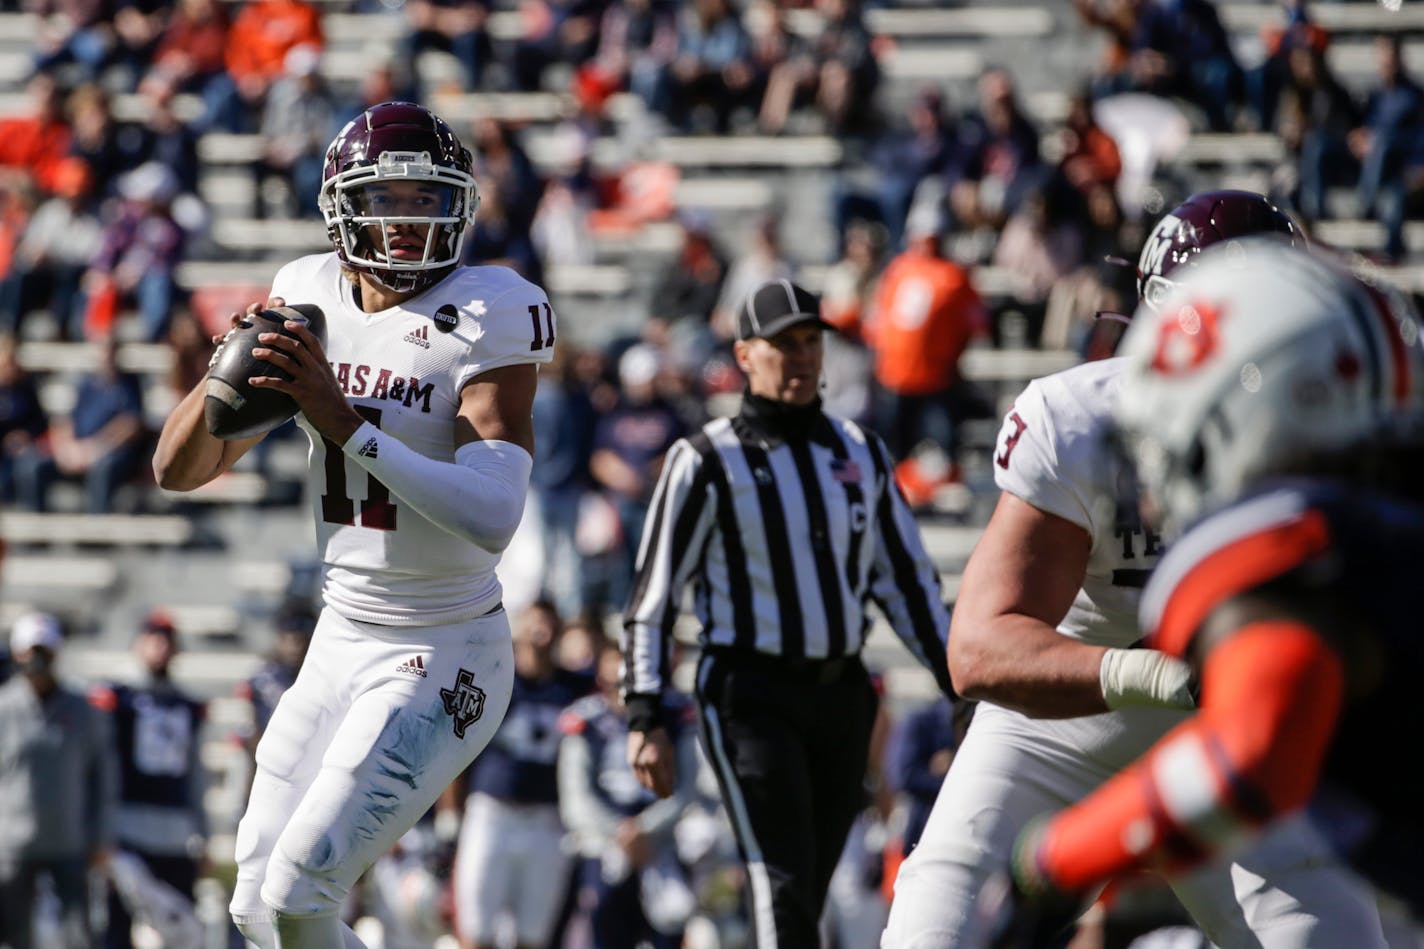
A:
(398, 163)
(1197, 223)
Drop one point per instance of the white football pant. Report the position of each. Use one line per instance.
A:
(380, 720)
(1287, 891)
(510, 859)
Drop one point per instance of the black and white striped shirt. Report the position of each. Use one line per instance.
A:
(785, 542)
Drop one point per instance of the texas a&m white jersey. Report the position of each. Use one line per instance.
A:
(1053, 453)
(403, 370)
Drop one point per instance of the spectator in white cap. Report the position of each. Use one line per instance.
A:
(58, 780)
(628, 448)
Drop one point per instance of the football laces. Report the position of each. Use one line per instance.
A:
(213, 359)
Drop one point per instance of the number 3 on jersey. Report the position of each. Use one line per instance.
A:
(377, 511)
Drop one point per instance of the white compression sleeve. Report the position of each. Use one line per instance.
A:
(480, 497)
(1145, 677)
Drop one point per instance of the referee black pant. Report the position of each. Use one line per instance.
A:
(788, 741)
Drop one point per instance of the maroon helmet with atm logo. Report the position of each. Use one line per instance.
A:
(398, 164)
(1205, 219)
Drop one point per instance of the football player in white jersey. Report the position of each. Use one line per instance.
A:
(1043, 635)
(418, 408)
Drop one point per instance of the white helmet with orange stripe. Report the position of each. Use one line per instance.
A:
(1263, 360)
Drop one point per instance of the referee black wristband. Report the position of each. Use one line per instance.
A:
(644, 712)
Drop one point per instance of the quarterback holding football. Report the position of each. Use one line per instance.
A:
(416, 394)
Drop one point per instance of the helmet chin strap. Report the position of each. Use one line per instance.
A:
(406, 281)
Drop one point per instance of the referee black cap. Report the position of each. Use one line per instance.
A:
(775, 307)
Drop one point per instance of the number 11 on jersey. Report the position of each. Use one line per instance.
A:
(542, 340)
(377, 511)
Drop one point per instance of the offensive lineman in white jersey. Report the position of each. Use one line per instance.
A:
(419, 414)
(1042, 634)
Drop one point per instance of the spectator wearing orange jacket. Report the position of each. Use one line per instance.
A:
(262, 35)
(924, 315)
(36, 144)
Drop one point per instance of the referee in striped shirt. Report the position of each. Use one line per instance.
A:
(787, 522)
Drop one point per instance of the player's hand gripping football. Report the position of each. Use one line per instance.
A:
(313, 384)
(1020, 909)
(234, 319)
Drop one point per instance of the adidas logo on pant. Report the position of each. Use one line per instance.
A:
(414, 667)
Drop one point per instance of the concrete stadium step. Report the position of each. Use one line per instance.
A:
(1234, 148)
(1365, 235)
(938, 62)
(999, 365)
(82, 357)
(232, 487)
(26, 575)
(261, 577)
(116, 530)
(1338, 18)
(1018, 21)
(1355, 61)
(192, 274)
(206, 673)
(748, 151)
(949, 545)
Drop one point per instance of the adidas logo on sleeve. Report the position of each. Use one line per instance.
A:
(413, 667)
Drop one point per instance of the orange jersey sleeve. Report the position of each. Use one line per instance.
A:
(1271, 696)
(1227, 569)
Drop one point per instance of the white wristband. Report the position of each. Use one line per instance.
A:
(1145, 677)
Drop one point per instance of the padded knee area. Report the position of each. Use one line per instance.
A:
(304, 886)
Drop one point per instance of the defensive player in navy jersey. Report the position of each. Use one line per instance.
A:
(510, 857)
(1283, 397)
(161, 818)
(623, 832)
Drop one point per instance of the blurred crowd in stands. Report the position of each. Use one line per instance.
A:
(97, 212)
